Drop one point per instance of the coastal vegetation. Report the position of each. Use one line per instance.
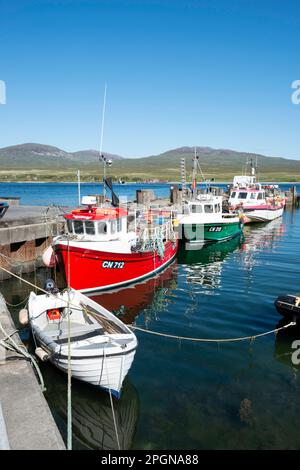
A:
(36, 162)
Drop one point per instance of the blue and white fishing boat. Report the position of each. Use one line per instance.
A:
(3, 208)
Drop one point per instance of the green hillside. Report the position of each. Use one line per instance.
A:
(37, 162)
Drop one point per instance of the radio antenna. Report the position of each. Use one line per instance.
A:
(102, 157)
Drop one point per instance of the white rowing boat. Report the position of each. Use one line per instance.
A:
(102, 348)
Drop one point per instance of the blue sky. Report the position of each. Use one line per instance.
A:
(210, 73)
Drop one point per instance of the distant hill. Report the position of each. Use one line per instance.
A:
(40, 156)
(212, 161)
(38, 162)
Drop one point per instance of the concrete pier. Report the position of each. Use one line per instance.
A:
(25, 232)
(26, 421)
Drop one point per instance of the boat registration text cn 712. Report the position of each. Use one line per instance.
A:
(113, 264)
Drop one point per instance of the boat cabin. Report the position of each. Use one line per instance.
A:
(242, 196)
(204, 205)
(97, 222)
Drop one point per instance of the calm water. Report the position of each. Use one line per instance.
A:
(188, 395)
(43, 194)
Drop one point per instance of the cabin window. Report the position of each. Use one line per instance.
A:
(260, 196)
(90, 227)
(196, 208)
(217, 208)
(233, 194)
(102, 228)
(70, 226)
(253, 196)
(113, 227)
(208, 208)
(119, 225)
(242, 195)
(78, 226)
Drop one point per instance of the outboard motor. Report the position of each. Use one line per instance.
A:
(50, 286)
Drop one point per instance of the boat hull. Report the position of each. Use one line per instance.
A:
(203, 234)
(105, 372)
(287, 306)
(263, 214)
(90, 270)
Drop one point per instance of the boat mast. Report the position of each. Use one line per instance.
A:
(194, 176)
(253, 169)
(78, 186)
(102, 157)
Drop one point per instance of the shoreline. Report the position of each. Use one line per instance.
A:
(137, 183)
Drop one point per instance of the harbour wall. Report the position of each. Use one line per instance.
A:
(25, 232)
(26, 422)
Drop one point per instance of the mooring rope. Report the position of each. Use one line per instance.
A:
(23, 352)
(111, 402)
(69, 393)
(18, 304)
(211, 340)
(166, 335)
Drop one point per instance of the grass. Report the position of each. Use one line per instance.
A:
(93, 174)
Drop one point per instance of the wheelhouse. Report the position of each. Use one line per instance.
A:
(205, 207)
(97, 223)
(254, 196)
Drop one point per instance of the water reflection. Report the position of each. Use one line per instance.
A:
(258, 238)
(204, 267)
(149, 297)
(92, 420)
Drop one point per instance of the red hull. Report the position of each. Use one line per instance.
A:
(91, 270)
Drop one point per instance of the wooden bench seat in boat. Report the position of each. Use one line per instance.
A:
(58, 332)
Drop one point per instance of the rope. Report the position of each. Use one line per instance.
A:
(157, 333)
(211, 340)
(112, 403)
(23, 352)
(69, 394)
(18, 304)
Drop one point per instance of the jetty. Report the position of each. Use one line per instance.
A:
(25, 232)
(26, 421)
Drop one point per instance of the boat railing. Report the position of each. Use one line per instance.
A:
(162, 232)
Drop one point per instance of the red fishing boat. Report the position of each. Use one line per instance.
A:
(101, 251)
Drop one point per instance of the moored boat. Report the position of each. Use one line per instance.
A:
(203, 222)
(288, 306)
(102, 348)
(202, 219)
(259, 203)
(99, 251)
(3, 208)
(256, 207)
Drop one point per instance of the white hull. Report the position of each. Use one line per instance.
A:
(102, 348)
(104, 372)
(263, 215)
